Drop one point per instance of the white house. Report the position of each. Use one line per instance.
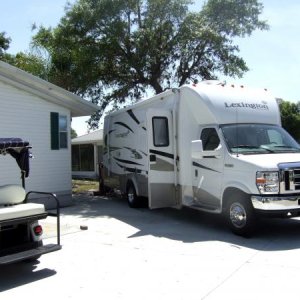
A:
(87, 152)
(40, 112)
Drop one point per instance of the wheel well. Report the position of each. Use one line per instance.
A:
(232, 194)
(130, 183)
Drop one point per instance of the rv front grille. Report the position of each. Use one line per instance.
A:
(289, 178)
(297, 179)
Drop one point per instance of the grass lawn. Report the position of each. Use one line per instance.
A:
(82, 186)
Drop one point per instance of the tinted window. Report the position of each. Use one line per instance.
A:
(258, 138)
(160, 132)
(210, 139)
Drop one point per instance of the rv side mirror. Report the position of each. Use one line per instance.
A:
(197, 149)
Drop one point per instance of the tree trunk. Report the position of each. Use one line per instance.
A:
(156, 86)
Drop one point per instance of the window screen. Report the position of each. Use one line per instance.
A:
(83, 157)
(160, 132)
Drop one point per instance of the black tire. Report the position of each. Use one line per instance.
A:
(35, 258)
(240, 216)
(132, 199)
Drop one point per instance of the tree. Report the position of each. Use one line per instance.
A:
(4, 43)
(73, 133)
(113, 50)
(29, 62)
(290, 118)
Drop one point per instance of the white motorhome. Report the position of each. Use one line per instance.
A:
(210, 146)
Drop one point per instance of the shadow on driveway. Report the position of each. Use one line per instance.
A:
(187, 225)
(18, 274)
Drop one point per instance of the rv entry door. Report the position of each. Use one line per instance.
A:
(161, 177)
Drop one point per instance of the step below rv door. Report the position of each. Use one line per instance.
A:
(161, 177)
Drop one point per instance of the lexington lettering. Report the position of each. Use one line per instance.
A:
(246, 105)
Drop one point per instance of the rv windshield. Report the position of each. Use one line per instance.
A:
(258, 138)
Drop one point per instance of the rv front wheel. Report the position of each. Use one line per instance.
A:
(240, 217)
(132, 198)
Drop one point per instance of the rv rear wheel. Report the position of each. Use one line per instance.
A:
(132, 198)
(240, 216)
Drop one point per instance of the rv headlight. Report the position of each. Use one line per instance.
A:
(267, 182)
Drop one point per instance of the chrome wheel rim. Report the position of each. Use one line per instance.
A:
(238, 215)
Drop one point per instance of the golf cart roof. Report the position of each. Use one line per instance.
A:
(19, 150)
(9, 143)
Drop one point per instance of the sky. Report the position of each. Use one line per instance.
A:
(272, 56)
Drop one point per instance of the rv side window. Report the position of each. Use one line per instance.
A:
(160, 132)
(210, 139)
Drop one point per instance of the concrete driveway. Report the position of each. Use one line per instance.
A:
(161, 254)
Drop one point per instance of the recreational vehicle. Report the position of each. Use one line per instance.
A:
(210, 146)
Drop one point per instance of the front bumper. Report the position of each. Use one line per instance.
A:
(276, 203)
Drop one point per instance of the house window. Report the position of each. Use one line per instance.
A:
(83, 157)
(160, 132)
(63, 132)
(59, 131)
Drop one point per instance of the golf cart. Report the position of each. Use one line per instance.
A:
(20, 231)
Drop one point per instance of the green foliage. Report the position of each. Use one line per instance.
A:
(290, 118)
(4, 43)
(30, 63)
(114, 50)
(73, 133)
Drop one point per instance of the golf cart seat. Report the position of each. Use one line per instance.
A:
(11, 194)
(11, 198)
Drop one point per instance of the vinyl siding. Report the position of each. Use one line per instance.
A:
(27, 116)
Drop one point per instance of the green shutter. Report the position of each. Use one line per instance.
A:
(54, 120)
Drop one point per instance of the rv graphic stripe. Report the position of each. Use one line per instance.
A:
(127, 161)
(161, 153)
(111, 149)
(203, 167)
(131, 170)
(132, 115)
(124, 125)
(105, 137)
(136, 154)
